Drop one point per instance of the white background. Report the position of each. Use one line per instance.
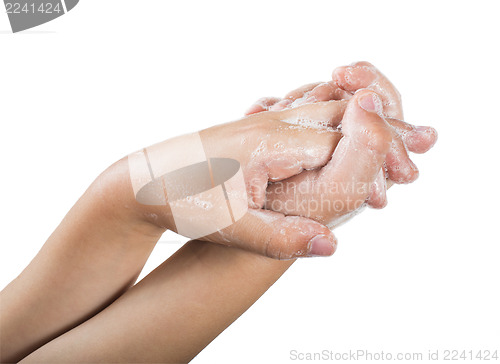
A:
(112, 76)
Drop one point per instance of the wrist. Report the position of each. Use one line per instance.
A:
(114, 201)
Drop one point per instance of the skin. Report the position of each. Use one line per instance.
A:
(305, 135)
(105, 260)
(94, 256)
(346, 80)
(357, 158)
(102, 244)
(173, 313)
(200, 279)
(324, 106)
(301, 148)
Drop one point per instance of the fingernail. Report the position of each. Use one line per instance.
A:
(370, 102)
(429, 130)
(254, 109)
(422, 129)
(280, 105)
(300, 101)
(322, 246)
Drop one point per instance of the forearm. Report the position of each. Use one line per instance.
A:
(181, 307)
(94, 255)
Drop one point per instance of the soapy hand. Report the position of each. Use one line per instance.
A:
(269, 147)
(346, 81)
(310, 160)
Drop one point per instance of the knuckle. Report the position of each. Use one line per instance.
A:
(363, 64)
(283, 246)
(379, 138)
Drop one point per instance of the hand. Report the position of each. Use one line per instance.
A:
(345, 82)
(268, 147)
(276, 146)
(336, 190)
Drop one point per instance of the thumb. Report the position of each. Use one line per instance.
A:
(277, 236)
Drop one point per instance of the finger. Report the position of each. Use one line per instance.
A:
(360, 155)
(400, 168)
(418, 139)
(262, 104)
(292, 96)
(378, 192)
(277, 236)
(343, 185)
(295, 140)
(274, 149)
(320, 114)
(299, 92)
(280, 105)
(325, 91)
(364, 75)
(285, 154)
